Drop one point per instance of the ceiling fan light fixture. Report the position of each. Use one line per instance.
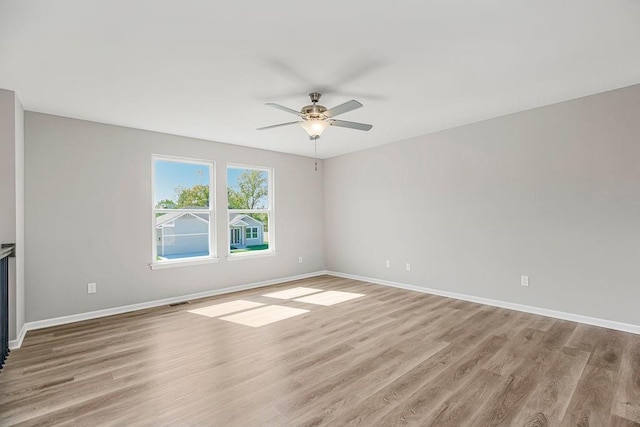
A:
(316, 118)
(315, 127)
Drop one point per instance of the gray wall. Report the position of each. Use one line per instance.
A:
(88, 217)
(7, 166)
(12, 202)
(553, 193)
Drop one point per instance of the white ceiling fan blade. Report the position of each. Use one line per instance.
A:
(350, 125)
(278, 125)
(283, 108)
(343, 108)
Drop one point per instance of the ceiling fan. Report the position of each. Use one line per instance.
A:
(316, 118)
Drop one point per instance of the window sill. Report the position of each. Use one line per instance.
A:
(182, 263)
(250, 255)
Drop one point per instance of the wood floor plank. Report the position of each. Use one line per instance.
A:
(390, 357)
(461, 406)
(370, 410)
(333, 406)
(504, 405)
(627, 400)
(617, 421)
(420, 404)
(548, 403)
(512, 354)
(592, 398)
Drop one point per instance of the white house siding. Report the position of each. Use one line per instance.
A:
(175, 241)
(254, 223)
(251, 223)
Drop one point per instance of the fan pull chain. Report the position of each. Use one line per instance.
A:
(315, 148)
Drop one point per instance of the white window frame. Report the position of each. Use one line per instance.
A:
(251, 232)
(271, 234)
(182, 262)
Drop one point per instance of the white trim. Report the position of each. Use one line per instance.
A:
(182, 262)
(251, 211)
(6, 251)
(271, 217)
(30, 326)
(180, 159)
(47, 323)
(17, 343)
(237, 256)
(579, 318)
(245, 166)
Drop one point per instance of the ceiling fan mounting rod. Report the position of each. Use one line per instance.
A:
(315, 96)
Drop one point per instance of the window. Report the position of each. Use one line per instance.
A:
(251, 233)
(250, 203)
(183, 211)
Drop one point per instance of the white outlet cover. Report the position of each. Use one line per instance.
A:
(524, 280)
(388, 264)
(91, 288)
(408, 266)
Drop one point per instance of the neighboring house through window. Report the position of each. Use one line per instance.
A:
(183, 210)
(250, 203)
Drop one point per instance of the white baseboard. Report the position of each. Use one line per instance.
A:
(29, 326)
(13, 344)
(604, 323)
(39, 324)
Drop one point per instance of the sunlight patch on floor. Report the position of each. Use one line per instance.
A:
(292, 293)
(225, 308)
(255, 314)
(264, 316)
(329, 298)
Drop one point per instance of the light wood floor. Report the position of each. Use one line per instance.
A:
(392, 357)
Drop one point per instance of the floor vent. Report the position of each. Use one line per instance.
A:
(175, 304)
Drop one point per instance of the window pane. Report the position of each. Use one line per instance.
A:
(247, 188)
(181, 185)
(182, 235)
(248, 232)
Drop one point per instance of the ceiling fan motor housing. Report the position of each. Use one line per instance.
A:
(313, 111)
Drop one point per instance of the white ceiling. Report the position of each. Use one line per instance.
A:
(205, 68)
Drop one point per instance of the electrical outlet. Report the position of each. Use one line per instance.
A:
(408, 266)
(388, 264)
(524, 280)
(92, 288)
(300, 260)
